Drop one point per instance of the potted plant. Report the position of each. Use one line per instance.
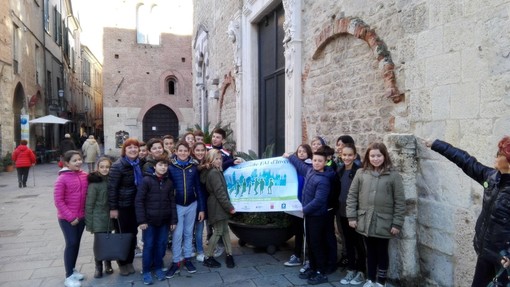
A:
(261, 229)
(8, 162)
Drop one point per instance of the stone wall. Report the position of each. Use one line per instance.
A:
(419, 69)
(134, 81)
(220, 79)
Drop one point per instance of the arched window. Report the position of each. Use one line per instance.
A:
(171, 84)
(147, 25)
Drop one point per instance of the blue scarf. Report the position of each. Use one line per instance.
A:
(136, 170)
(181, 162)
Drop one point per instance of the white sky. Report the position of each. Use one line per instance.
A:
(95, 14)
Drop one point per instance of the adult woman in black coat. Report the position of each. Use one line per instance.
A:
(125, 176)
(492, 229)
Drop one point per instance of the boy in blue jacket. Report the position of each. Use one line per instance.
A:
(315, 209)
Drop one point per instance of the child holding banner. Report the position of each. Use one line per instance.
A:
(304, 153)
(316, 190)
(219, 207)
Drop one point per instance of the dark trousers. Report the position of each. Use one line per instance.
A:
(22, 174)
(377, 259)
(298, 229)
(72, 236)
(355, 247)
(128, 224)
(316, 231)
(485, 270)
(155, 239)
(331, 239)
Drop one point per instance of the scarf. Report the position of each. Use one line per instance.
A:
(182, 163)
(136, 170)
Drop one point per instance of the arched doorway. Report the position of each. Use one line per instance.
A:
(160, 120)
(18, 103)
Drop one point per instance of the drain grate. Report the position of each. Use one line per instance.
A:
(27, 196)
(9, 233)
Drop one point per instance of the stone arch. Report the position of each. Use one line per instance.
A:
(158, 121)
(359, 29)
(19, 103)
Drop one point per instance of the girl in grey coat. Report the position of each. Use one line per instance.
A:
(376, 207)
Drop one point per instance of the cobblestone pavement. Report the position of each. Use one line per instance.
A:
(32, 247)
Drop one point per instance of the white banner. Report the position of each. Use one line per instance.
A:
(25, 127)
(262, 185)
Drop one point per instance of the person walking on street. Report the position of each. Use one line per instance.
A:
(24, 158)
(91, 152)
(66, 144)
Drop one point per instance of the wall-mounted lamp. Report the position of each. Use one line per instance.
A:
(60, 93)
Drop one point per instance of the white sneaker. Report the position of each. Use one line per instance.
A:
(71, 282)
(369, 284)
(358, 279)
(200, 257)
(347, 279)
(218, 251)
(77, 275)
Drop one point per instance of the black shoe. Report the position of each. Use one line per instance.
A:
(108, 267)
(19, 184)
(343, 262)
(317, 278)
(211, 263)
(24, 184)
(307, 274)
(99, 269)
(174, 269)
(230, 261)
(330, 269)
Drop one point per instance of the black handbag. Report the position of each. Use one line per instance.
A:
(112, 246)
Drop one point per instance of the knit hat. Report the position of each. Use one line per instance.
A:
(504, 147)
(67, 136)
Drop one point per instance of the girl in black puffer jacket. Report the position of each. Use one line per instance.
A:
(492, 230)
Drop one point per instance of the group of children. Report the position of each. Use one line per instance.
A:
(367, 200)
(177, 186)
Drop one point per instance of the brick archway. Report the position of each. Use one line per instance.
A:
(359, 29)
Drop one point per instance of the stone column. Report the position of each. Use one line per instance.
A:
(404, 256)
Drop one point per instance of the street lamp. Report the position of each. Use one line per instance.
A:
(61, 99)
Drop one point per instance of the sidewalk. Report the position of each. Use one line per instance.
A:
(32, 247)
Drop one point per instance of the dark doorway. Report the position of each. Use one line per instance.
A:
(272, 82)
(160, 120)
(17, 105)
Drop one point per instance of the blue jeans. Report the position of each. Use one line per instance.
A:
(72, 236)
(182, 237)
(155, 239)
(199, 236)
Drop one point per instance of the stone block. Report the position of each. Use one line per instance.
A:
(440, 102)
(435, 215)
(440, 240)
(466, 99)
(429, 42)
(443, 69)
(436, 266)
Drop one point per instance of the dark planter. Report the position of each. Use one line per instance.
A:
(267, 236)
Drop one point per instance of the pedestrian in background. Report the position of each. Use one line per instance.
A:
(91, 152)
(23, 158)
(97, 212)
(69, 197)
(66, 144)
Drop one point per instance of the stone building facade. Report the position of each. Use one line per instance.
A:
(40, 70)
(393, 71)
(147, 73)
